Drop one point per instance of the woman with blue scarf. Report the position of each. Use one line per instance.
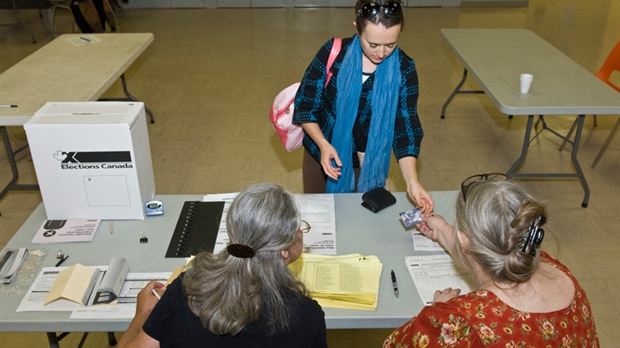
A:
(368, 109)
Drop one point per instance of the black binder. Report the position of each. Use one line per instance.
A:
(196, 229)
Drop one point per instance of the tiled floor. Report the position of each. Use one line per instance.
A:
(211, 75)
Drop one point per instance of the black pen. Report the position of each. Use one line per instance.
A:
(394, 284)
(61, 261)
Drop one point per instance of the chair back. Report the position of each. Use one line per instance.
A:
(612, 63)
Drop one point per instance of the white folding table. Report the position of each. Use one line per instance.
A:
(495, 58)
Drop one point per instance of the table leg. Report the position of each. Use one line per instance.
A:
(526, 144)
(579, 173)
(134, 99)
(130, 97)
(582, 178)
(10, 154)
(606, 144)
(456, 91)
(52, 338)
(111, 339)
(19, 18)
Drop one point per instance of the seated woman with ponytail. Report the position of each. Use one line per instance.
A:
(524, 298)
(244, 296)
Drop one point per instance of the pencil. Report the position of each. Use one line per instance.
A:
(156, 294)
(111, 227)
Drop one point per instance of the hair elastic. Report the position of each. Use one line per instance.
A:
(240, 251)
(534, 237)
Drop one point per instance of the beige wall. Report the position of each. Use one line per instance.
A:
(288, 3)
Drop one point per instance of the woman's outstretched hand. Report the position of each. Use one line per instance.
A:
(328, 156)
(422, 199)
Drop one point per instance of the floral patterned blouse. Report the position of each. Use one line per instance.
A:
(480, 318)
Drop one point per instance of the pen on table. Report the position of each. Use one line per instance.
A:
(61, 260)
(156, 294)
(85, 39)
(394, 284)
(3, 106)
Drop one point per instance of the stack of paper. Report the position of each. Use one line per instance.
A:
(348, 281)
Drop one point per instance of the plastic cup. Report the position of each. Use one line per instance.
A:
(526, 82)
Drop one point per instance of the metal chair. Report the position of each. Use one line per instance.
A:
(612, 63)
(54, 5)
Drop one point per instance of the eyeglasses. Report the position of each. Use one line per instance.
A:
(305, 226)
(472, 179)
(371, 9)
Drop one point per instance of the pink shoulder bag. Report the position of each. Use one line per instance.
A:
(283, 107)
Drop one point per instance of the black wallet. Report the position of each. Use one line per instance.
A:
(377, 199)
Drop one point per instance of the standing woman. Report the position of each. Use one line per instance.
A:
(368, 108)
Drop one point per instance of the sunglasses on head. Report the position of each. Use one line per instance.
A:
(474, 178)
(371, 9)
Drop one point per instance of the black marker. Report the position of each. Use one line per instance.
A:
(394, 284)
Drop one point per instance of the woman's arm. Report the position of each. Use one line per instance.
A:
(307, 104)
(328, 152)
(408, 134)
(135, 336)
(422, 199)
(436, 228)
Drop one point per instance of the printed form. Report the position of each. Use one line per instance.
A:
(317, 209)
(125, 308)
(437, 272)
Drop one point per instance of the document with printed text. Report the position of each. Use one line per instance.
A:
(347, 281)
(318, 210)
(437, 272)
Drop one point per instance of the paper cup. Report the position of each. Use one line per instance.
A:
(526, 82)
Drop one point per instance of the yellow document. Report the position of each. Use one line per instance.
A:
(347, 281)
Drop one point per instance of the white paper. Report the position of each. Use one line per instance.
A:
(71, 231)
(320, 212)
(437, 272)
(317, 209)
(33, 300)
(423, 243)
(83, 40)
(126, 306)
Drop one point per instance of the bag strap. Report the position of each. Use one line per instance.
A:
(332, 57)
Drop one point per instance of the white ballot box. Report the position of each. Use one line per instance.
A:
(92, 159)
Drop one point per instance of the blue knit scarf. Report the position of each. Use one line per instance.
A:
(384, 99)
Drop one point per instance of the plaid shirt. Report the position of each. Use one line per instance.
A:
(316, 103)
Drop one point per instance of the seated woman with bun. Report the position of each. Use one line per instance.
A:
(244, 296)
(524, 298)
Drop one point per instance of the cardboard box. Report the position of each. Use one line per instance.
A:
(92, 159)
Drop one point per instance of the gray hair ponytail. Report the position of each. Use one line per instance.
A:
(228, 292)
